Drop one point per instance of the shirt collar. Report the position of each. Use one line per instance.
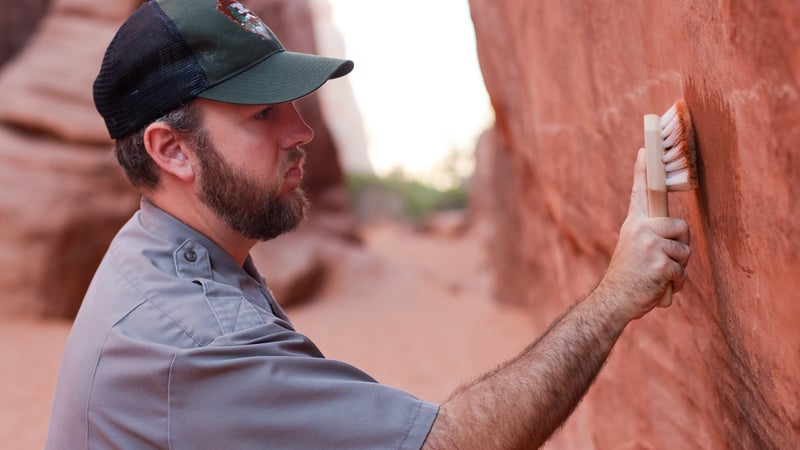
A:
(169, 227)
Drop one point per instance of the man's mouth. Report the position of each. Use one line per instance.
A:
(294, 174)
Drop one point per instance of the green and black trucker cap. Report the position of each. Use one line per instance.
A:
(169, 52)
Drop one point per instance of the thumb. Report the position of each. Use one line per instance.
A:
(639, 192)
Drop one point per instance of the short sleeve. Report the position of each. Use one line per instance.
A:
(269, 387)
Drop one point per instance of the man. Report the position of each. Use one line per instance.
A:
(179, 344)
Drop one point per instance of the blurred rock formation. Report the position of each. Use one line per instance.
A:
(569, 82)
(64, 196)
(17, 24)
(336, 98)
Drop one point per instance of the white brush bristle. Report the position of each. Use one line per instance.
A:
(677, 137)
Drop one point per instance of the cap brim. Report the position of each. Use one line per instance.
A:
(283, 77)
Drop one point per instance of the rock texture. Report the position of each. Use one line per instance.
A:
(16, 25)
(64, 196)
(570, 82)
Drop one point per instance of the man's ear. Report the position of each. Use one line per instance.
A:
(168, 149)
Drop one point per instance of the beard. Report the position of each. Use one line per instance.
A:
(253, 208)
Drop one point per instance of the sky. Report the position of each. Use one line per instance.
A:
(417, 83)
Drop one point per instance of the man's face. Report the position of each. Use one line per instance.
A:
(251, 167)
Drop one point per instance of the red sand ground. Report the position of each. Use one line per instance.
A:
(412, 310)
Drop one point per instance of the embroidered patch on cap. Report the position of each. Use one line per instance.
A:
(244, 17)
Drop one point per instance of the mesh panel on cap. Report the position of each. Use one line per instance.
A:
(147, 71)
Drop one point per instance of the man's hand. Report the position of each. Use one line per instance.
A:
(650, 254)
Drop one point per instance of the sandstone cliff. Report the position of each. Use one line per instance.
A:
(63, 195)
(570, 82)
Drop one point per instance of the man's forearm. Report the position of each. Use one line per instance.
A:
(525, 400)
(520, 404)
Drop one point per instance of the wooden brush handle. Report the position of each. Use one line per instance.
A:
(656, 186)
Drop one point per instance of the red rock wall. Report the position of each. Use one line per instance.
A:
(570, 82)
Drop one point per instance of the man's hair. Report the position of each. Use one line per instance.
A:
(132, 155)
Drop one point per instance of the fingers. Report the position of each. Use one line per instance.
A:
(676, 274)
(672, 239)
(675, 257)
(677, 251)
(653, 252)
(671, 228)
(638, 203)
(679, 281)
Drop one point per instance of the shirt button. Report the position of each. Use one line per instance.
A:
(190, 256)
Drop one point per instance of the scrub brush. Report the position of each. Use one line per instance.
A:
(671, 162)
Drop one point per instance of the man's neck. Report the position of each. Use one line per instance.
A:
(192, 212)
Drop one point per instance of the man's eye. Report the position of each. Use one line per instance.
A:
(263, 114)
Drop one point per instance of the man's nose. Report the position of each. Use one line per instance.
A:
(300, 133)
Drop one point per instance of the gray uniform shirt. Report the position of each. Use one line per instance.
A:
(177, 346)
